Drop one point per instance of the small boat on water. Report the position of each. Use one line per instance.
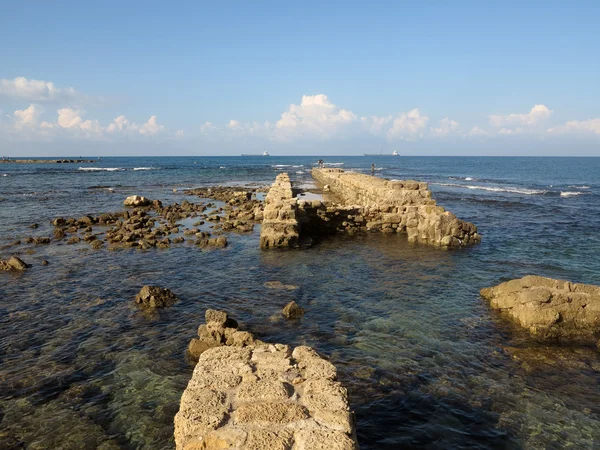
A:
(265, 153)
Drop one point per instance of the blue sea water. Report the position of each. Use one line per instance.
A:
(427, 363)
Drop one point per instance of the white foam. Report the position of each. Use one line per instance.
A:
(299, 171)
(512, 190)
(570, 193)
(579, 187)
(468, 179)
(333, 164)
(101, 169)
(281, 166)
(4, 174)
(221, 167)
(143, 168)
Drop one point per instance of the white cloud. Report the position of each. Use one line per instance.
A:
(37, 90)
(374, 124)
(536, 115)
(410, 124)
(590, 126)
(207, 127)
(71, 120)
(476, 131)
(27, 117)
(445, 128)
(315, 116)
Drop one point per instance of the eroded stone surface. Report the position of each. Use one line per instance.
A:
(549, 308)
(370, 203)
(263, 396)
(280, 224)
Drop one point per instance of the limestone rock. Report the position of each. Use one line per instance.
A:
(15, 264)
(136, 201)
(280, 285)
(292, 310)
(155, 297)
(549, 308)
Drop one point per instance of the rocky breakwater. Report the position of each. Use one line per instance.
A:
(280, 223)
(377, 204)
(549, 308)
(246, 394)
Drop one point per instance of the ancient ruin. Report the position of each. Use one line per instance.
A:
(361, 203)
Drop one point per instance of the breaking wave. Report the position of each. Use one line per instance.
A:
(101, 169)
(512, 190)
(570, 193)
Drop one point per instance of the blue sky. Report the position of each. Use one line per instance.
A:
(433, 77)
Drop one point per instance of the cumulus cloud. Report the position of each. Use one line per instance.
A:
(37, 91)
(446, 127)
(408, 125)
(536, 115)
(27, 117)
(590, 126)
(207, 127)
(476, 131)
(72, 121)
(315, 116)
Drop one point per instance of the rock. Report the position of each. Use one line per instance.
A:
(59, 234)
(74, 240)
(15, 264)
(34, 226)
(96, 244)
(155, 297)
(136, 201)
(292, 310)
(45, 262)
(549, 308)
(59, 222)
(214, 316)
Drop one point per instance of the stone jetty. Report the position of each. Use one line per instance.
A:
(362, 203)
(246, 394)
(550, 308)
(280, 226)
(46, 161)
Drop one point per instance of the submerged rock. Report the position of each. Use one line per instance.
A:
(156, 297)
(549, 308)
(15, 264)
(280, 285)
(292, 310)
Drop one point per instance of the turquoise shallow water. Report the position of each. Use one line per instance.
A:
(428, 365)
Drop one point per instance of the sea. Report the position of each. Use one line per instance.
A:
(427, 363)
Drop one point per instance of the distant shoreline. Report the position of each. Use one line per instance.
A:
(46, 161)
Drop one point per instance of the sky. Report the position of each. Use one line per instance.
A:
(300, 78)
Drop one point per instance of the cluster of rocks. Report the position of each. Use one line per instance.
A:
(370, 203)
(549, 308)
(246, 394)
(280, 226)
(47, 161)
(14, 264)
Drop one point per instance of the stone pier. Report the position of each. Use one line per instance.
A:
(280, 224)
(246, 394)
(368, 203)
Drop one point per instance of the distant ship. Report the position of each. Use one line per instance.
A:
(265, 153)
(395, 153)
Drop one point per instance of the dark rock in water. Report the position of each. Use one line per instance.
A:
(292, 311)
(155, 297)
(97, 244)
(14, 263)
(59, 234)
(34, 226)
(74, 240)
(59, 222)
(41, 240)
(219, 242)
(45, 262)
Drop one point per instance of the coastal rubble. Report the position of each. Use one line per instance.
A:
(246, 394)
(292, 310)
(136, 201)
(549, 308)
